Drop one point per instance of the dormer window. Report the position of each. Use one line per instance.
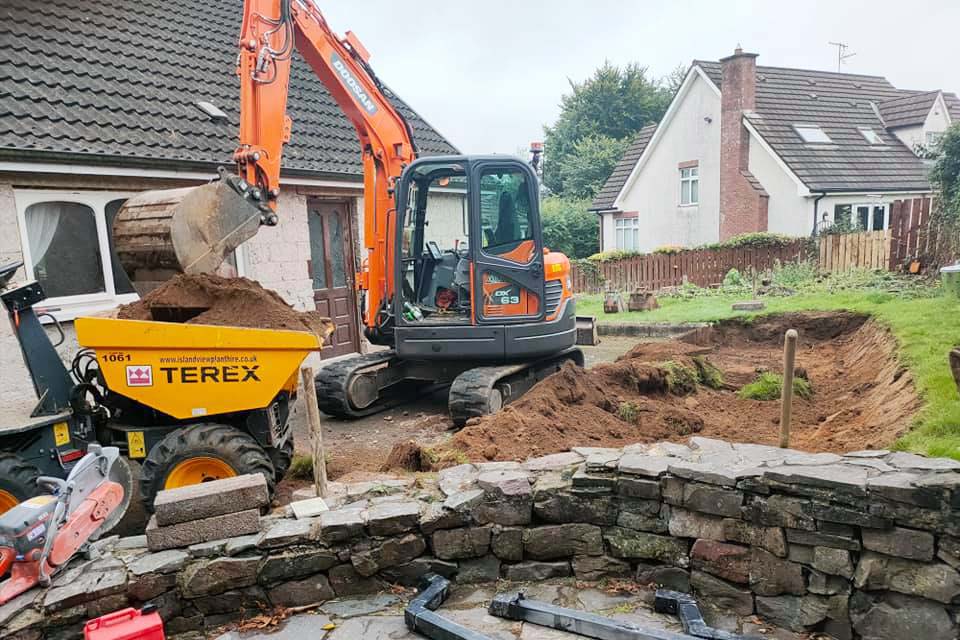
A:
(870, 135)
(812, 134)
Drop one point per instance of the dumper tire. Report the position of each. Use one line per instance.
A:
(18, 479)
(219, 441)
(281, 458)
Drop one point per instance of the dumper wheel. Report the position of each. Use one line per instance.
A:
(201, 453)
(281, 459)
(18, 481)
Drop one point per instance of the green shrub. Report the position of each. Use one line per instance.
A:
(734, 279)
(629, 412)
(614, 254)
(709, 375)
(301, 467)
(758, 239)
(681, 379)
(769, 386)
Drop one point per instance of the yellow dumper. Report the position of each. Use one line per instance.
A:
(191, 402)
(196, 402)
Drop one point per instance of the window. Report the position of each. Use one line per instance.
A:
(64, 248)
(812, 134)
(628, 233)
(870, 135)
(933, 138)
(689, 185)
(505, 215)
(862, 217)
(67, 247)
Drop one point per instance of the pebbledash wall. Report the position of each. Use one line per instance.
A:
(277, 257)
(864, 545)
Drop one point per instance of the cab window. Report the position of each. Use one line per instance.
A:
(505, 215)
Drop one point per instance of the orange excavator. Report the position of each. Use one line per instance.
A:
(455, 278)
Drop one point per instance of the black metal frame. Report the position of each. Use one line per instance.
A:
(421, 616)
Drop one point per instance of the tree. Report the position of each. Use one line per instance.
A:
(946, 172)
(569, 228)
(614, 103)
(585, 170)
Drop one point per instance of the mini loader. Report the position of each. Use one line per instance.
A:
(192, 403)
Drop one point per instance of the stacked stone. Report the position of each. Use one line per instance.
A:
(863, 545)
(206, 511)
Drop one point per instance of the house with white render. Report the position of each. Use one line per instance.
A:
(745, 148)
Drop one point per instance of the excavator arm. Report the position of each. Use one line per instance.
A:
(192, 230)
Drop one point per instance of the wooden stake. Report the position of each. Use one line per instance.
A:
(786, 396)
(316, 431)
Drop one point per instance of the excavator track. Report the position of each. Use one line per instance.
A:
(334, 383)
(484, 390)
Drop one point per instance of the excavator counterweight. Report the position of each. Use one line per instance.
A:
(158, 234)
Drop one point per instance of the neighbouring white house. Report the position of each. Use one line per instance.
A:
(100, 102)
(745, 148)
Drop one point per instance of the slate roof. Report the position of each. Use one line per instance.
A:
(908, 110)
(841, 104)
(117, 81)
(611, 188)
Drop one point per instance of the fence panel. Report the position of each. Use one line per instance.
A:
(702, 267)
(867, 250)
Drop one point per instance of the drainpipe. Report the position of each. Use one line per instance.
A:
(823, 194)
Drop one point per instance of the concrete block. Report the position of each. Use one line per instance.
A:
(185, 534)
(209, 499)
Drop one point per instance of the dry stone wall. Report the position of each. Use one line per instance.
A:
(862, 545)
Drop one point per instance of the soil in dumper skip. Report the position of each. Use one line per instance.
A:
(236, 302)
(862, 397)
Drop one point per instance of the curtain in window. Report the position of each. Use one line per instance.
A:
(42, 220)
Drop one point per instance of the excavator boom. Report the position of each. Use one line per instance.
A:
(160, 233)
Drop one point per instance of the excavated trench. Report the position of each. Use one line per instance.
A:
(862, 396)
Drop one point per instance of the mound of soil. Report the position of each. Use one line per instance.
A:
(212, 299)
(862, 397)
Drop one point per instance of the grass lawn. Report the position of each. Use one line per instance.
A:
(926, 328)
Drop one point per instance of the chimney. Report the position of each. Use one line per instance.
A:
(743, 203)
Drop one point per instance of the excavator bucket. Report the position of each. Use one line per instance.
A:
(159, 234)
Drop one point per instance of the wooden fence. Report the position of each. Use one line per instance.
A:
(914, 239)
(867, 250)
(702, 267)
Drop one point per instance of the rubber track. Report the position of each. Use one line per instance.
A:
(470, 391)
(333, 379)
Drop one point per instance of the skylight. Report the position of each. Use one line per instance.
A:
(212, 110)
(871, 135)
(812, 133)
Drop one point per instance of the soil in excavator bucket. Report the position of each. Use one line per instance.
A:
(158, 234)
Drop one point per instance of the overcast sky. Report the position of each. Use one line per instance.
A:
(488, 74)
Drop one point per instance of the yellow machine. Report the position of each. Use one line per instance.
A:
(192, 403)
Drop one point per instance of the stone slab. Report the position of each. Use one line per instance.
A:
(309, 508)
(209, 499)
(185, 534)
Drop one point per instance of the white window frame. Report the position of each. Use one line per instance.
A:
(65, 308)
(872, 137)
(932, 143)
(623, 226)
(814, 129)
(853, 212)
(693, 176)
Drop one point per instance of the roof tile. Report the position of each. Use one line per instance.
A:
(109, 79)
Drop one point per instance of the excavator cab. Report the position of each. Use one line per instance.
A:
(472, 266)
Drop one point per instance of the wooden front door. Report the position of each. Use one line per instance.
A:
(332, 268)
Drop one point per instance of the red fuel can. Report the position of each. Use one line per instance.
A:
(127, 624)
